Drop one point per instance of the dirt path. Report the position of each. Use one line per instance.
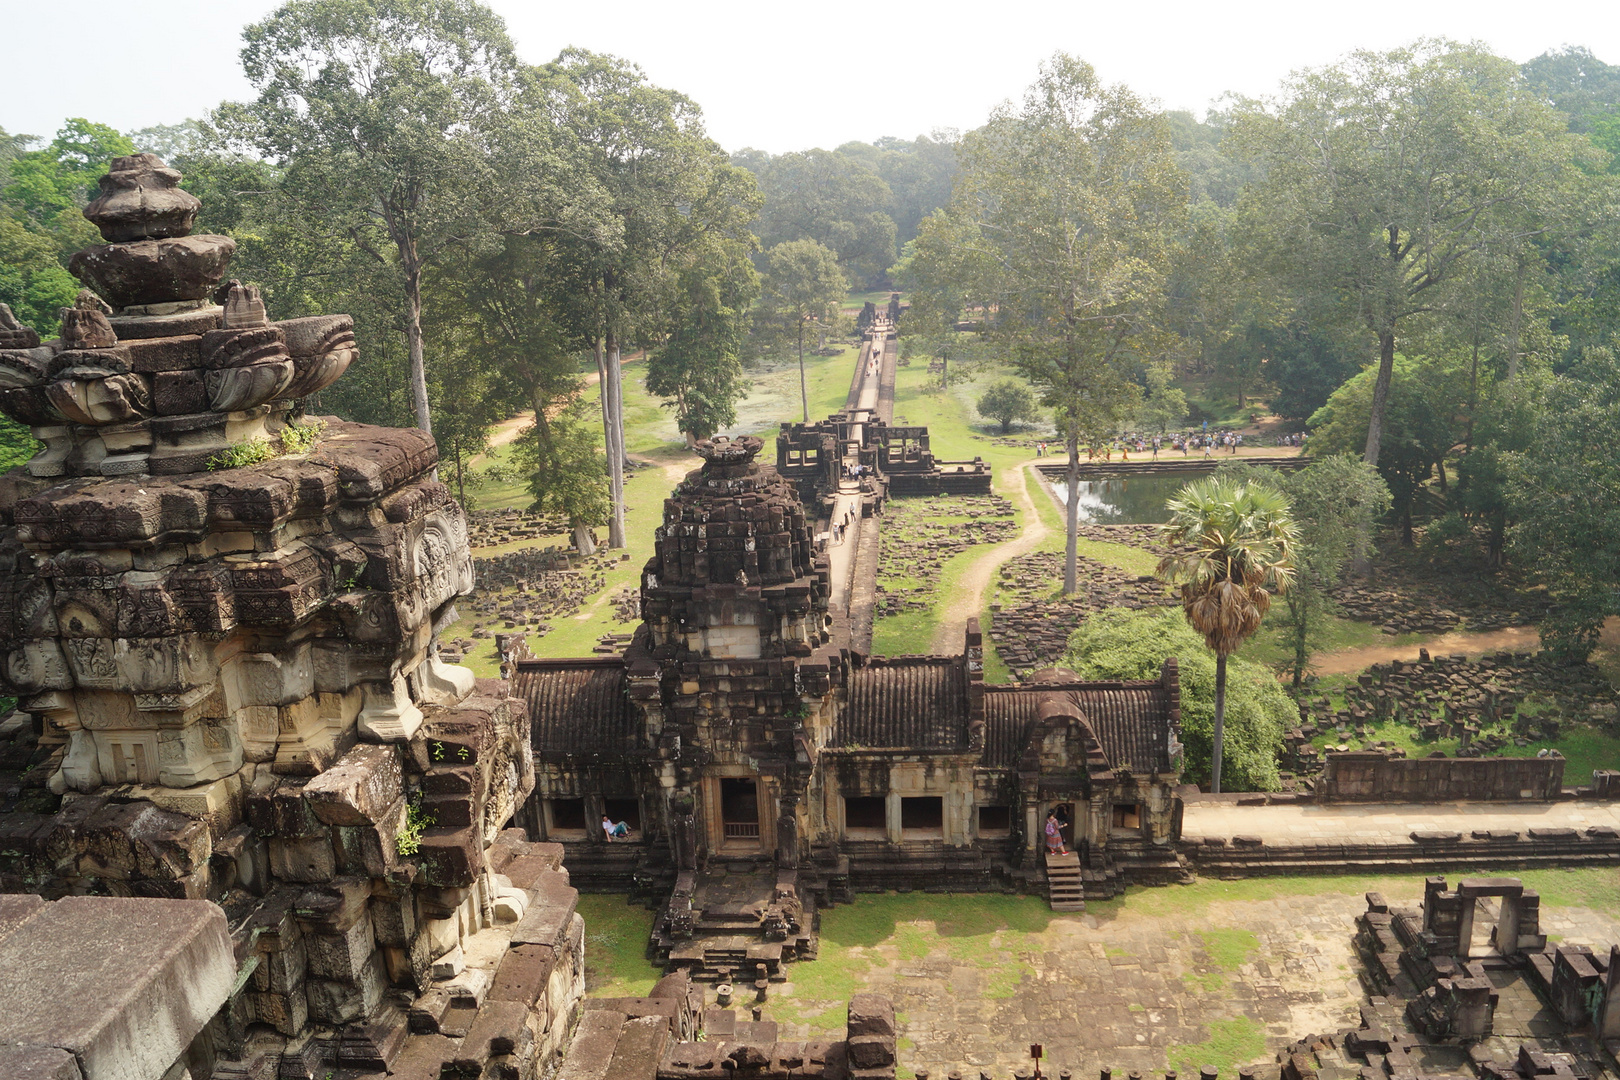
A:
(969, 599)
(508, 430)
(1351, 661)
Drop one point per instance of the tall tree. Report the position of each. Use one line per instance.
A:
(1387, 173)
(1565, 497)
(803, 284)
(831, 198)
(670, 196)
(386, 116)
(1424, 417)
(1061, 228)
(697, 371)
(1241, 539)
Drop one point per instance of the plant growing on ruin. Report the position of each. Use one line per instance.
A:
(300, 437)
(417, 821)
(1242, 539)
(242, 455)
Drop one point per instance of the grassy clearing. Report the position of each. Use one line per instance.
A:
(616, 936)
(1229, 950)
(1232, 1042)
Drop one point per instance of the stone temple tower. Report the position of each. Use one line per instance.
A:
(735, 662)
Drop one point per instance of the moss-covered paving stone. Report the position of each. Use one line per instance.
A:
(1216, 973)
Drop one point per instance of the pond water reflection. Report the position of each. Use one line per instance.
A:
(1126, 500)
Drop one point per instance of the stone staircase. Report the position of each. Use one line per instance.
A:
(1064, 887)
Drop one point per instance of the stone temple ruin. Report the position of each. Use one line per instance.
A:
(766, 767)
(232, 692)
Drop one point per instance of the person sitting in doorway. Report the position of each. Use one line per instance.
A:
(615, 830)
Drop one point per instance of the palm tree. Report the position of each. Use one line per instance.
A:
(1242, 540)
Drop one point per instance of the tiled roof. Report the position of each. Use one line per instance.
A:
(578, 707)
(1131, 720)
(914, 702)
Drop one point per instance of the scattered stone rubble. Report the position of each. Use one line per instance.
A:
(1031, 631)
(920, 536)
(1481, 703)
(654, 1037)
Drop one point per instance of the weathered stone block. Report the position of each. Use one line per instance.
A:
(360, 789)
(871, 1014)
(75, 948)
(306, 859)
(341, 956)
(332, 1002)
(523, 974)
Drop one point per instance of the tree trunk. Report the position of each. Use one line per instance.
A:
(584, 542)
(615, 390)
(1299, 610)
(1220, 724)
(1071, 544)
(1518, 316)
(1386, 372)
(804, 392)
(413, 339)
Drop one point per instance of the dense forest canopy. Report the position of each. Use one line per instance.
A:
(1414, 253)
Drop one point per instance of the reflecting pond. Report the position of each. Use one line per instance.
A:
(1126, 500)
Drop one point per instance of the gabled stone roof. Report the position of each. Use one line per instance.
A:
(1131, 720)
(578, 708)
(914, 702)
(921, 703)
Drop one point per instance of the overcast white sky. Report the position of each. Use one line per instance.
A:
(785, 76)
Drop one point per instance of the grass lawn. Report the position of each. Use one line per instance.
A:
(1008, 954)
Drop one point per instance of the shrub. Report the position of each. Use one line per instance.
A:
(1119, 644)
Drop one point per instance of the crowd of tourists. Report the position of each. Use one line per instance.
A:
(1209, 443)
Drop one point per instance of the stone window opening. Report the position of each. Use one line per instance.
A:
(627, 811)
(922, 817)
(1128, 816)
(866, 817)
(566, 819)
(995, 821)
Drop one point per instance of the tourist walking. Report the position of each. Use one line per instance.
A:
(1054, 835)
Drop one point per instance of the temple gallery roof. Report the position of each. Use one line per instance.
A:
(921, 703)
(916, 704)
(578, 708)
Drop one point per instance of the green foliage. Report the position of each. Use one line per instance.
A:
(561, 456)
(1133, 645)
(803, 284)
(698, 369)
(300, 437)
(1164, 405)
(1347, 217)
(417, 821)
(1008, 400)
(242, 455)
(17, 444)
(1564, 494)
(1334, 502)
(1423, 417)
(829, 198)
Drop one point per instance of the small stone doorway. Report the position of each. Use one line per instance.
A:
(739, 815)
(1065, 816)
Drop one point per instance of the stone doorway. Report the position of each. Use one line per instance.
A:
(1065, 816)
(739, 814)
